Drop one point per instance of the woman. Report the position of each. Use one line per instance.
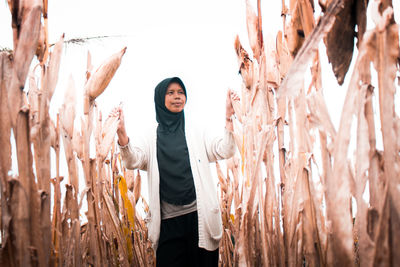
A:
(184, 220)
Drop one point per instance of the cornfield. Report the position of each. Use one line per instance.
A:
(299, 192)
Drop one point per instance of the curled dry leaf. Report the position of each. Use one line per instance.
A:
(237, 107)
(294, 29)
(51, 75)
(33, 99)
(53, 134)
(137, 186)
(343, 29)
(77, 144)
(284, 57)
(41, 47)
(246, 68)
(271, 64)
(89, 66)
(252, 30)
(130, 178)
(67, 111)
(319, 113)
(221, 178)
(107, 136)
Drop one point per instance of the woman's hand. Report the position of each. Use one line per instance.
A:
(231, 96)
(121, 131)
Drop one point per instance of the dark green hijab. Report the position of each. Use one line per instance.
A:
(176, 180)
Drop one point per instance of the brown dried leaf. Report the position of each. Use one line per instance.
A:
(129, 177)
(294, 33)
(294, 79)
(253, 29)
(365, 243)
(41, 47)
(284, 57)
(270, 62)
(29, 15)
(337, 193)
(89, 66)
(51, 75)
(6, 65)
(77, 144)
(67, 111)
(108, 133)
(340, 52)
(137, 186)
(319, 114)
(116, 227)
(221, 178)
(246, 67)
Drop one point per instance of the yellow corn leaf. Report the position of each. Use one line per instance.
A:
(130, 209)
(232, 218)
(129, 246)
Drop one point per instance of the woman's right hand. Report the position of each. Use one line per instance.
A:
(121, 131)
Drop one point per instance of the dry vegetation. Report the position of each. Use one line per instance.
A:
(293, 213)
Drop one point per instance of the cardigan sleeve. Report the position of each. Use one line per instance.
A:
(134, 157)
(219, 148)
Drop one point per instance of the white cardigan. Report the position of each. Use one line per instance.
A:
(202, 151)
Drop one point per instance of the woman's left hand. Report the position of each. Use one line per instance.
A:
(231, 96)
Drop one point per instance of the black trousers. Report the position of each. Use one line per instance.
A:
(178, 244)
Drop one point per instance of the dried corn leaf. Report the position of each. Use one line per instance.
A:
(365, 243)
(51, 74)
(284, 57)
(319, 115)
(117, 228)
(246, 67)
(137, 187)
(294, 33)
(67, 111)
(77, 144)
(254, 30)
(271, 75)
(338, 194)
(295, 76)
(108, 133)
(340, 40)
(6, 65)
(28, 17)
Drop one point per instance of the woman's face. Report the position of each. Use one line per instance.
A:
(175, 98)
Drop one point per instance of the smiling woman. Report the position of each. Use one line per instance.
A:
(184, 218)
(175, 98)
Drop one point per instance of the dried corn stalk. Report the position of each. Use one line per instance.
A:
(312, 199)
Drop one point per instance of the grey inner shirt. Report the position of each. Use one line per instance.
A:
(169, 210)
